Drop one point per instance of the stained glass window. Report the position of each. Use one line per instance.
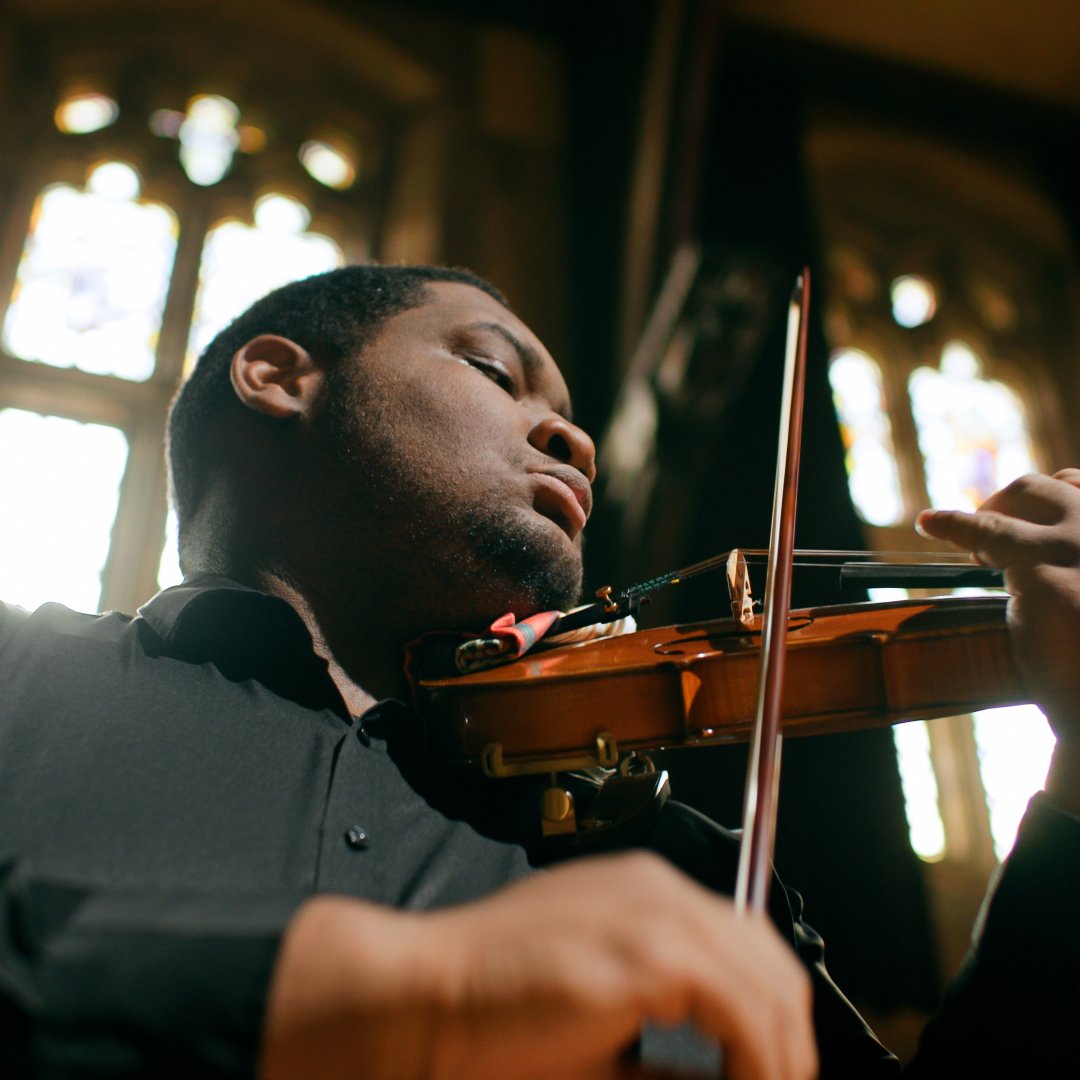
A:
(112, 284)
(64, 478)
(208, 138)
(243, 262)
(972, 433)
(93, 277)
(210, 134)
(864, 425)
(972, 430)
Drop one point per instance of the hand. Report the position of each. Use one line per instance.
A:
(1031, 530)
(551, 977)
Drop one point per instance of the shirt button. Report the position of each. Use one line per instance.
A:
(356, 837)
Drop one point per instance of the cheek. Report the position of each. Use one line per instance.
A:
(447, 441)
(463, 415)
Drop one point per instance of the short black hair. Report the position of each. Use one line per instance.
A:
(332, 315)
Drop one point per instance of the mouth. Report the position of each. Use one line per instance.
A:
(564, 496)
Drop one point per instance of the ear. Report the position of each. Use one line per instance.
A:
(276, 377)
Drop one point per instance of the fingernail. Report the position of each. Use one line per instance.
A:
(923, 515)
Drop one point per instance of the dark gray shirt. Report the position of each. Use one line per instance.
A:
(173, 786)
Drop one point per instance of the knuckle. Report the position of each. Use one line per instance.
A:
(647, 881)
(992, 523)
(1022, 484)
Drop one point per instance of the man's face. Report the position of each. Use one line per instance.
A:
(462, 462)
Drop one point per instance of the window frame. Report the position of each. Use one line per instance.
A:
(139, 408)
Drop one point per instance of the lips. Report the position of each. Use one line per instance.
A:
(564, 496)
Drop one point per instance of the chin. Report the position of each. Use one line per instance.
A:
(522, 563)
(534, 580)
(540, 586)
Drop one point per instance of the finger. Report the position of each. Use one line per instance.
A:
(772, 1047)
(757, 999)
(1034, 497)
(994, 539)
(736, 980)
(1069, 476)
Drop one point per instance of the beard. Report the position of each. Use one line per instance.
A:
(464, 567)
(440, 550)
(530, 564)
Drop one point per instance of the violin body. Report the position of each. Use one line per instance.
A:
(848, 667)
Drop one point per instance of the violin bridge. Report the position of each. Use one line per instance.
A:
(738, 583)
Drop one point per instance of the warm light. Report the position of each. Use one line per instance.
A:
(328, 164)
(242, 262)
(959, 361)
(913, 300)
(93, 277)
(1015, 746)
(114, 180)
(58, 507)
(972, 430)
(859, 397)
(169, 572)
(208, 138)
(213, 112)
(280, 214)
(253, 139)
(995, 306)
(926, 831)
(80, 114)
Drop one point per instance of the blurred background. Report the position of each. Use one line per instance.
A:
(644, 180)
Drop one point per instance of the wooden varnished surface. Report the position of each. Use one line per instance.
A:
(853, 666)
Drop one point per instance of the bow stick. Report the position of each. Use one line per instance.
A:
(763, 772)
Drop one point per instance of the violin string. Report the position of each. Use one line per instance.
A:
(920, 558)
(828, 559)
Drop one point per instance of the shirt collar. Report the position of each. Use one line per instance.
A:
(247, 634)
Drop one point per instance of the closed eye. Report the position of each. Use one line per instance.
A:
(494, 371)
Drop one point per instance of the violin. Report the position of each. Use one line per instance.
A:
(755, 677)
(805, 672)
(848, 667)
(608, 701)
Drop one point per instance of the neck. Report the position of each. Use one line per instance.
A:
(363, 652)
(360, 598)
(366, 665)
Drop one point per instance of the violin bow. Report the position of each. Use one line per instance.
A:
(763, 771)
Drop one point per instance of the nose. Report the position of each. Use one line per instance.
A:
(566, 443)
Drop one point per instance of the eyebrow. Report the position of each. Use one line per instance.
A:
(530, 358)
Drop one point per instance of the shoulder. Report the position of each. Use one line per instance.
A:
(12, 620)
(22, 630)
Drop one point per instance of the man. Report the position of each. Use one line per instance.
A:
(220, 846)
